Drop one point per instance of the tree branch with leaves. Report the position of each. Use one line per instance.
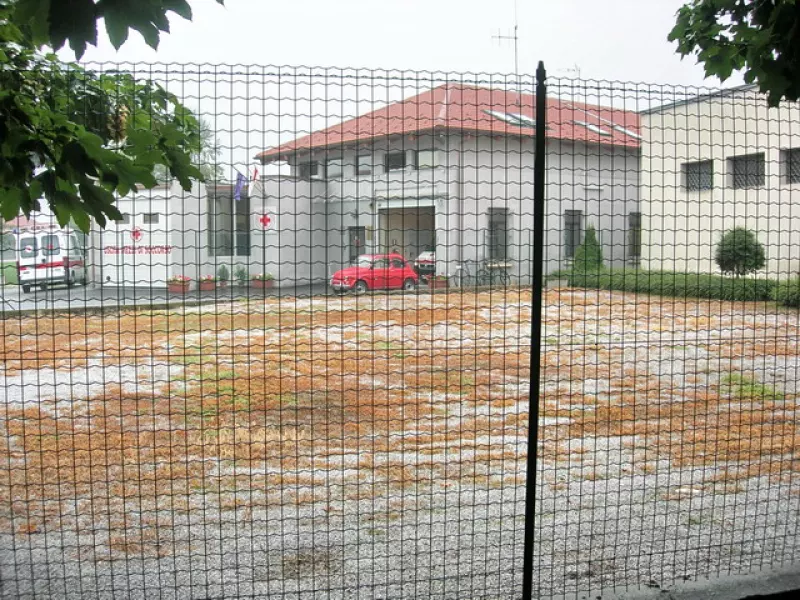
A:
(75, 137)
(759, 37)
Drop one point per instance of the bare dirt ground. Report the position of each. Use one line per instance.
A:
(375, 447)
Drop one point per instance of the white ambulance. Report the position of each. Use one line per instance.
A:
(49, 257)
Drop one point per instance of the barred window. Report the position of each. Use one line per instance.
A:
(791, 160)
(747, 171)
(498, 233)
(308, 170)
(394, 161)
(573, 231)
(634, 235)
(698, 175)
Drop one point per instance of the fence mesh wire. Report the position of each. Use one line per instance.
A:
(308, 376)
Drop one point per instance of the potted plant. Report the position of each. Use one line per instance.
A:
(178, 284)
(437, 281)
(222, 275)
(263, 281)
(241, 275)
(207, 283)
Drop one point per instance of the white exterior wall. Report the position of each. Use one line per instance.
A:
(293, 249)
(681, 228)
(601, 182)
(189, 224)
(174, 246)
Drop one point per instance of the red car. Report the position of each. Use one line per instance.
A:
(376, 272)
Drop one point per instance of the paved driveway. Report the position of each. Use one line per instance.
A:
(13, 299)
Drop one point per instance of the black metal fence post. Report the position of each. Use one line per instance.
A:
(536, 329)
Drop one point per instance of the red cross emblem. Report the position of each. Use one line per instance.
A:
(136, 234)
(265, 221)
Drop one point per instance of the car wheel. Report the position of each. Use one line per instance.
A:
(409, 285)
(70, 279)
(360, 287)
(84, 281)
(43, 287)
(26, 289)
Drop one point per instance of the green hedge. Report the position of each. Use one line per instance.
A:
(681, 285)
(788, 293)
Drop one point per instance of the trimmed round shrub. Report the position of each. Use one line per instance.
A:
(739, 252)
(788, 293)
(589, 255)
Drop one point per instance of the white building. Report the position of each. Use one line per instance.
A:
(715, 162)
(452, 170)
(163, 233)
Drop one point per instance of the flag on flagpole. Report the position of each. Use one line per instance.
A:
(240, 183)
(255, 174)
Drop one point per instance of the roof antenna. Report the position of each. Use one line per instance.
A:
(573, 71)
(515, 38)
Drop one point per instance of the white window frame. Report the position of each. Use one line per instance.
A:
(430, 164)
(365, 163)
(331, 166)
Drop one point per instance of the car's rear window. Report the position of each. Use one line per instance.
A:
(50, 245)
(363, 261)
(27, 247)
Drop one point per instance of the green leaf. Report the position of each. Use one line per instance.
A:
(62, 207)
(73, 21)
(81, 219)
(93, 145)
(142, 138)
(10, 202)
(35, 190)
(179, 7)
(34, 14)
(75, 154)
(94, 195)
(116, 26)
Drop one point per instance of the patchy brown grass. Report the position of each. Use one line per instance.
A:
(272, 394)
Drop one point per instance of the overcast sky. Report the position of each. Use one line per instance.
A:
(609, 40)
(622, 40)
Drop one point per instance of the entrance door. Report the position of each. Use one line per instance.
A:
(356, 239)
(407, 231)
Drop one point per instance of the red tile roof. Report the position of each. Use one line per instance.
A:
(466, 108)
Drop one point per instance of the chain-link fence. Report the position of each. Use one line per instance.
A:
(309, 375)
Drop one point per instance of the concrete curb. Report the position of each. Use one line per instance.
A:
(111, 306)
(727, 587)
